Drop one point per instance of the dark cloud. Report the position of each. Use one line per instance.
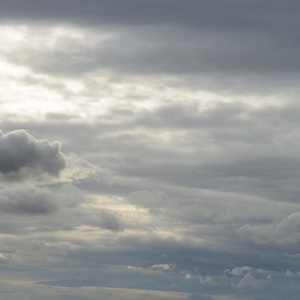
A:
(37, 200)
(28, 201)
(211, 56)
(230, 44)
(20, 150)
(109, 221)
(225, 14)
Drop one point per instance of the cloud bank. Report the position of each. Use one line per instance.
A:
(149, 149)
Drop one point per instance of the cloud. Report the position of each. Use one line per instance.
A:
(248, 281)
(292, 255)
(163, 267)
(237, 271)
(199, 297)
(234, 59)
(240, 271)
(27, 201)
(207, 280)
(21, 154)
(288, 273)
(252, 278)
(37, 201)
(168, 162)
(109, 221)
(286, 232)
(154, 201)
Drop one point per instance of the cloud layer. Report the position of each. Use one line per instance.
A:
(149, 150)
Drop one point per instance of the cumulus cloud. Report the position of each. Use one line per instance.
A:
(248, 281)
(206, 280)
(288, 273)
(21, 154)
(241, 271)
(287, 231)
(237, 271)
(252, 278)
(163, 267)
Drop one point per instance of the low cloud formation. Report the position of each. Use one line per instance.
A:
(237, 271)
(109, 221)
(179, 172)
(27, 201)
(21, 153)
(284, 232)
(35, 200)
(163, 267)
(199, 297)
(248, 281)
(154, 201)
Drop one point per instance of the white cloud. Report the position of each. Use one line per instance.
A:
(248, 281)
(207, 280)
(288, 273)
(237, 271)
(163, 267)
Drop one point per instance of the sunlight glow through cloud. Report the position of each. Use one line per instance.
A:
(149, 150)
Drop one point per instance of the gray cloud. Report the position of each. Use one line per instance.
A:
(28, 201)
(19, 150)
(210, 55)
(180, 127)
(285, 232)
(227, 44)
(153, 201)
(109, 221)
(37, 200)
(194, 14)
(199, 297)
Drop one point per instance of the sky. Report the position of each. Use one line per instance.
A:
(149, 149)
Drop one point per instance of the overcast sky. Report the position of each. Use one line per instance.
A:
(149, 149)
